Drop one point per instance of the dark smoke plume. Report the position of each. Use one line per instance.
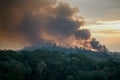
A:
(33, 22)
(97, 45)
(83, 34)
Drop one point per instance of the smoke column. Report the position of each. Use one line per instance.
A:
(36, 22)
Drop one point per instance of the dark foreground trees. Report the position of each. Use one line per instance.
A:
(54, 65)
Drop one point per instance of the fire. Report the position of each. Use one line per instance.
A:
(71, 42)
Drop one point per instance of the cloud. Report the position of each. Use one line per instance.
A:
(83, 34)
(36, 22)
(97, 9)
(29, 20)
(98, 46)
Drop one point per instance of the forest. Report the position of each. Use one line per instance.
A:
(46, 64)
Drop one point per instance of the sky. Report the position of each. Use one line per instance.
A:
(92, 24)
(102, 17)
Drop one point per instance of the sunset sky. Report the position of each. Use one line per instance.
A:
(102, 18)
(64, 22)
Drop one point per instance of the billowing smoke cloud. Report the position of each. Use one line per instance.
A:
(97, 45)
(25, 18)
(36, 22)
(83, 34)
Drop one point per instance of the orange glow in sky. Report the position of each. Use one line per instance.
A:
(108, 32)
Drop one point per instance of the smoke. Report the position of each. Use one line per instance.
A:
(83, 34)
(35, 22)
(97, 45)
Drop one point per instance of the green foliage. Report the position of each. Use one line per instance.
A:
(54, 65)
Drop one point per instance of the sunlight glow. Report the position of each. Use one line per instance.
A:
(108, 32)
(105, 28)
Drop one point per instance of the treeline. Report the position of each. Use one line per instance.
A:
(55, 65)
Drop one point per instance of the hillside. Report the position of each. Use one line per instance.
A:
(50, 64)
(76, 50)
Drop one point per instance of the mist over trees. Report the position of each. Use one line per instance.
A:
(44, 64)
